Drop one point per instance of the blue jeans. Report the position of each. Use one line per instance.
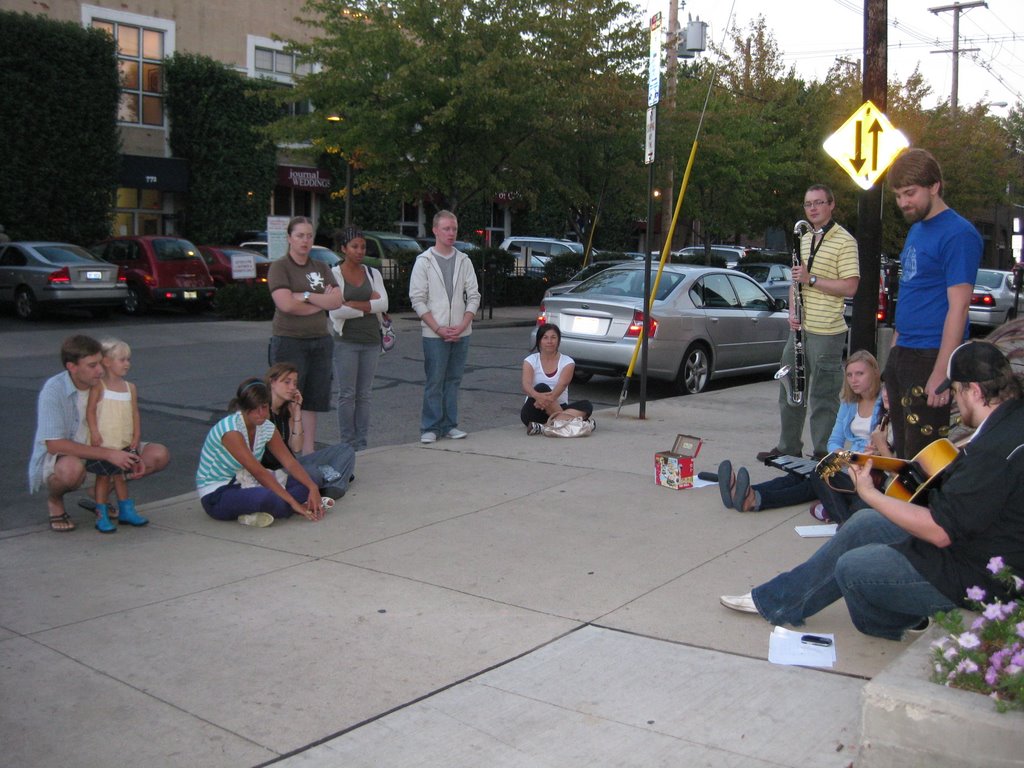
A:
(443, 364)
(341, 458)
(784, 491)
(884, 593)
(355, 365)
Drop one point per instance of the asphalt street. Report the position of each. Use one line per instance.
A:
(186, 368)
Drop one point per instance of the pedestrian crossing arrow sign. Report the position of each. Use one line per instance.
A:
(866, 145)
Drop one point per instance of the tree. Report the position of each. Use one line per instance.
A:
(217, 121)
(57, 129)
(458, 100)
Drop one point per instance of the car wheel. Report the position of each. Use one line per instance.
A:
(694, 371)
(133, 302)
(582, 377)
(25, 304)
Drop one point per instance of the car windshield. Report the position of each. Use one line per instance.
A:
(66, 254)
(258, 258)
(174, 250)
(989, 279)
(628, 283)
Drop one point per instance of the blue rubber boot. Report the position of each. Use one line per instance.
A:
(103, 524)
(126, 514)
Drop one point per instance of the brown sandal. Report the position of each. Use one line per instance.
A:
(62, 523)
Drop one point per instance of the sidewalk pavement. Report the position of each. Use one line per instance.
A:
(502, 600)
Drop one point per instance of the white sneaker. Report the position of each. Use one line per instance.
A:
(428, 437)
(741, 603)
(533, 428)
(456, 434)
(257, 519)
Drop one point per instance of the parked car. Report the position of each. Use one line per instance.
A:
(993, 299)
(159, 270)
(218, 261)
(706, 323)
(36, 276)
(462, 245)
(774, 278)
(587, 272)
(533, 253)
(318, 252)
(382, 247)
(731, 253)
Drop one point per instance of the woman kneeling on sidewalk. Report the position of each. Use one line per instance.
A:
(232, 483)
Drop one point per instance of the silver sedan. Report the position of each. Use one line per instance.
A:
(993, 298)
(36, 276)
(707, 323)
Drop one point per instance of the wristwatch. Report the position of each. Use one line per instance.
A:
(813, 279)
(307, 294)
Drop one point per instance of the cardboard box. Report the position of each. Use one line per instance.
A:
(674, 469)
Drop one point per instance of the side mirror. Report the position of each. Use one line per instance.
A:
(781, 304)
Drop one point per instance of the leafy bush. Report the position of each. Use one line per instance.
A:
(241, 301)
(560, 268)
(59, 85)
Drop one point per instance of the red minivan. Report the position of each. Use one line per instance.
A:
(159, 270)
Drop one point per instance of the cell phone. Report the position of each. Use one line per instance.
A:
(825, 642)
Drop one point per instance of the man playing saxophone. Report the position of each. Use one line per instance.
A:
(829, 271)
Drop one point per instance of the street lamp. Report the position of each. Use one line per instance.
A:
(336, 118)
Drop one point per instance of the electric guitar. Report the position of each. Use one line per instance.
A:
(911, 478)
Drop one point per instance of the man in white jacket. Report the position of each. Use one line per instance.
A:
(444, 294)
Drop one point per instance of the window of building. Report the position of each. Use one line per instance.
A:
(142, 44)
(268, 59)
(138, 212)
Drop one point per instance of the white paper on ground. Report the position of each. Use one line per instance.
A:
(817, 531)
(785, 647)
(698, 483)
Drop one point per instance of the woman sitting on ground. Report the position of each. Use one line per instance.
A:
(859, 428)
(330, 468)
(546, 376)
(232, 483)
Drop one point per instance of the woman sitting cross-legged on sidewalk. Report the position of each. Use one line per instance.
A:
(232, 483)
(859, 427)
(546, 376)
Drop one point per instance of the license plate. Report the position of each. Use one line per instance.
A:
(589, 325)
(191, 295)
(93, 275)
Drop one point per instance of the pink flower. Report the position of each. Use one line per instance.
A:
(968, 640)
(976, 593)
(978, 623)
(950, 653)
(991, 676)
(996, 564)
(967, 666)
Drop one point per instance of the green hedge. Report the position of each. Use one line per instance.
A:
(58, 132)
(241, 301)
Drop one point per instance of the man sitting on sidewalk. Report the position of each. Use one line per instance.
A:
(62, 445)
(898, 562)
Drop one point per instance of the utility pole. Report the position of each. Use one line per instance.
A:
(957, 8)
(671, 74)
(869, 202)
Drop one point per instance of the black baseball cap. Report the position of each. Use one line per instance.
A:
(974, 361)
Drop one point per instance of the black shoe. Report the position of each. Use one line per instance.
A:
(332, 491)
(765, 456)
(87, 504)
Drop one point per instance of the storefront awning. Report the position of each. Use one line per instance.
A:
(168, 174)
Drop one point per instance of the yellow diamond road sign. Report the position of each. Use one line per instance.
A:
(866, 145)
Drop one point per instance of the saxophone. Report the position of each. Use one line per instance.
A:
(793, 378)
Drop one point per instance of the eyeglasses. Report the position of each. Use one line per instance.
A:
(816, 203)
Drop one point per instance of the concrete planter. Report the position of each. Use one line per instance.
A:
(907, 720)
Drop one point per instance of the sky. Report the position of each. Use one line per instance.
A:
(812, 35)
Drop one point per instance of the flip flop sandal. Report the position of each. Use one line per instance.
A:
(62, 523)
(739, 494)
(724, 481)
(818, 512)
